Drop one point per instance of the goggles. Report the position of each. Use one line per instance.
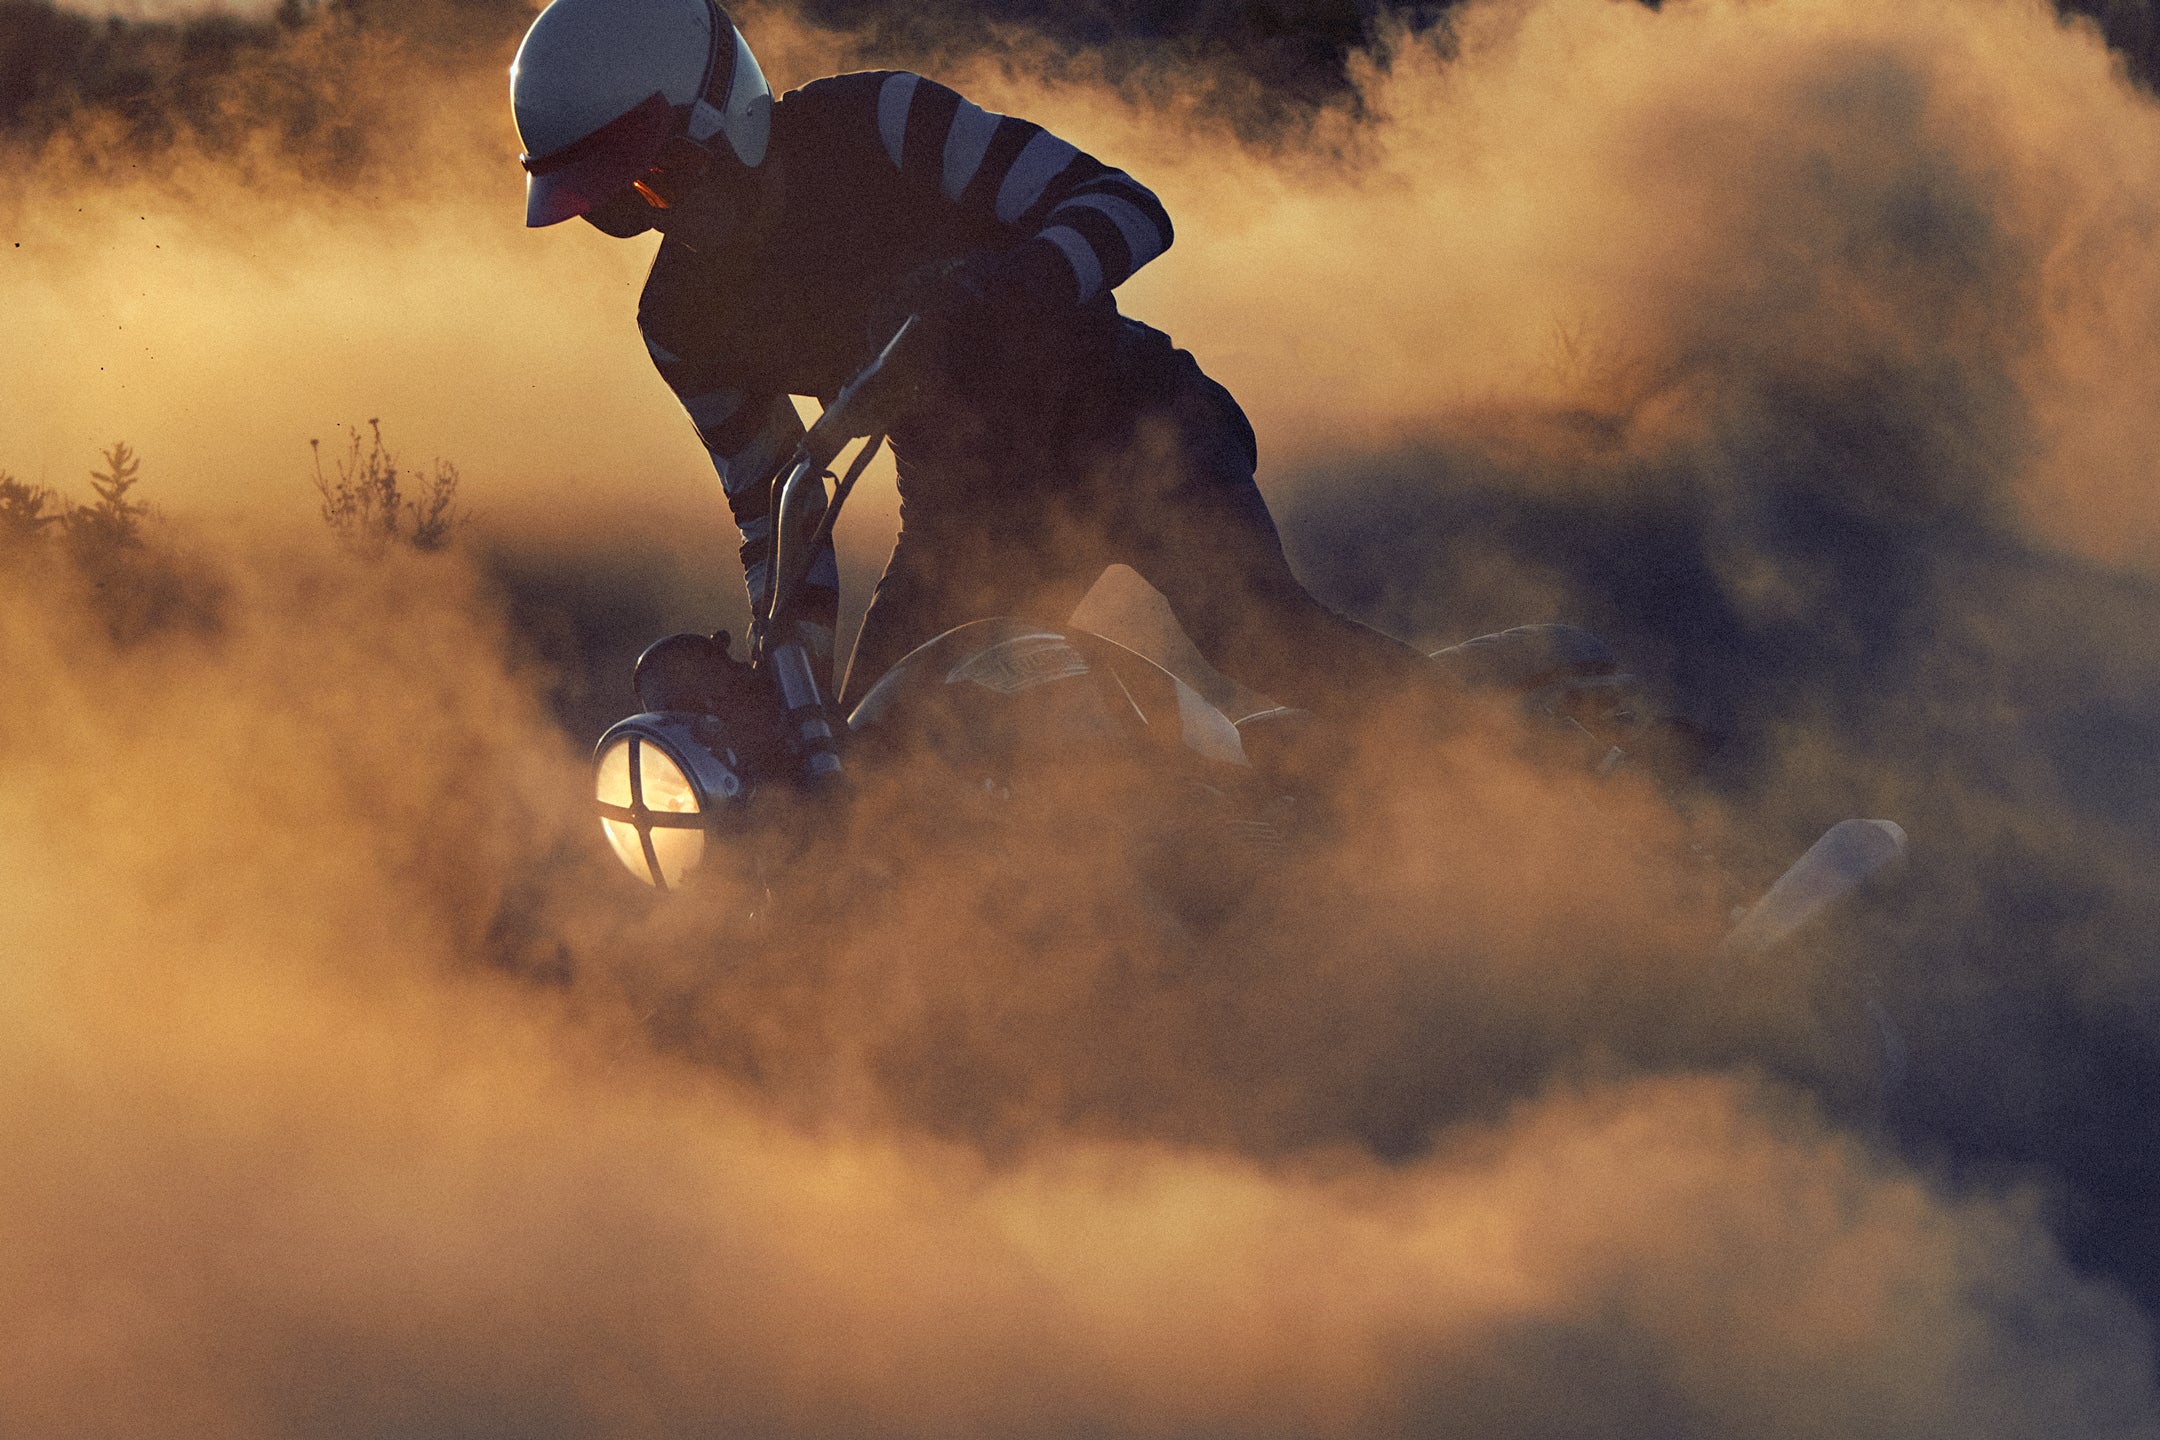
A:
(578, 177)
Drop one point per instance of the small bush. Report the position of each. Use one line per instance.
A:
(136, 577)
(372, 505)
(25, 511)
(113, 521)
(110, 523)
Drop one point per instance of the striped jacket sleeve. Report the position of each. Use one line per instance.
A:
(1105, 223)
(748, 438)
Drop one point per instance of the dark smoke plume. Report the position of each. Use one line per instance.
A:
(307, 83)
(301, 81)
(1265, 67)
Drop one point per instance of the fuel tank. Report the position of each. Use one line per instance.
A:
(995, 694)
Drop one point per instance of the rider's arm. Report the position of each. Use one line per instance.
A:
(749, 437)
(1099, 221)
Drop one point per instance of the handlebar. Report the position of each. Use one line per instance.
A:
(865, 407)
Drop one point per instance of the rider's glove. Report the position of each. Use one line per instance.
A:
(1024, 285)
(984, 310)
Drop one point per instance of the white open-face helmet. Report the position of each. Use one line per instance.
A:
(601, 87)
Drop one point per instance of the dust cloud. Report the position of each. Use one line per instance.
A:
(1802, 346)
(287, 1161)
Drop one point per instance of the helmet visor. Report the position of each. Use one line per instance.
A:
(574, 179)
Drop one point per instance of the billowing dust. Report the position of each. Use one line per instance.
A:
(289, 1157)
(352, 1090)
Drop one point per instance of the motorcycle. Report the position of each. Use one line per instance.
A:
(747, 759)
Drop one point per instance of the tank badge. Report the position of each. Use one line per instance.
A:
(1020, 663)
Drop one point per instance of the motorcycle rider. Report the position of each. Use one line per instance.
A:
(1060, 438)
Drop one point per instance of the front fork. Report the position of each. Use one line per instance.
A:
(808, 723)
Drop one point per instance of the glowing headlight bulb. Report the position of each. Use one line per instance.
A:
(649, 809)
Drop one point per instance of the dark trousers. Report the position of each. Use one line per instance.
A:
(1017, 506)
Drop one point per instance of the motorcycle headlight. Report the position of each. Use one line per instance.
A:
(658, 787)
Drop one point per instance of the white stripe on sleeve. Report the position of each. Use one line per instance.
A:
(893, 99)
(1143, 240)
(755, 462)
(1032, 171)
(746, 467)
(709, 412)
(1087, 266)
(972, 127)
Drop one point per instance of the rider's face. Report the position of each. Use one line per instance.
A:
(689, 194)
(623, 214)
